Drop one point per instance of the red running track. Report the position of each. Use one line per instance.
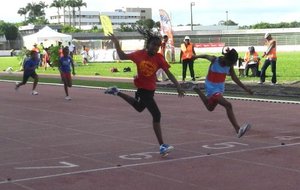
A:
(98, 142)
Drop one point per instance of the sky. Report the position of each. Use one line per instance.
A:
(205, 12)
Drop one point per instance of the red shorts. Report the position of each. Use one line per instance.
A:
(213, 100)
(65, 76)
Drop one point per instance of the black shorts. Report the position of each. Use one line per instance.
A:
(145, 99)
(26, 76)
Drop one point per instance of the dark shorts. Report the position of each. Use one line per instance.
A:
(26, 76)
(145, 99)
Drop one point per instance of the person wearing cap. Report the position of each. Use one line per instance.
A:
(251, 60)
(271, 58)
(186, 54)
(219, 68)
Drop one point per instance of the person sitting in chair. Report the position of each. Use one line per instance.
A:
(251, 61)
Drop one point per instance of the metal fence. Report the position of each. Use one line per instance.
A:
(243, 40)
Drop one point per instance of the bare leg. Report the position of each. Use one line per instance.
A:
(35, 82)
(66, 89)
(157, 130)
(230, 114)
(127, 98)
(204, 99)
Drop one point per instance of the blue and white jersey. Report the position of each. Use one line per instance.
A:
(215, 79)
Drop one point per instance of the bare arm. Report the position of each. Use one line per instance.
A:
(173, 79)
(205, 56)
(238, 82)
(271, 46)
(120, 52)
(73, 68)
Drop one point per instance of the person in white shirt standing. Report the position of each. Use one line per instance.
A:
(71, 49)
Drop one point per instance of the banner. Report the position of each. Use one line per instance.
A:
(106, 24)
(166, 29)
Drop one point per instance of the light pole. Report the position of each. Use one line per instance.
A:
(192, 4)
(227, 20)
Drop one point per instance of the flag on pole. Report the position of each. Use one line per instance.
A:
(106, 24)
(166, 29)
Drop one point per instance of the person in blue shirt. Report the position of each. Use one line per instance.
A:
(64, 66)
(29, 71)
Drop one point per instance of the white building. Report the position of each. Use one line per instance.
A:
(88, 19)
(85, 20)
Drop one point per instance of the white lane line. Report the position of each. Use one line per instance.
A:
(61, 166)
(159, 162)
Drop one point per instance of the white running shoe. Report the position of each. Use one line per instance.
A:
(246, 127)
(34, 92)
(17, 87)
(68, 98)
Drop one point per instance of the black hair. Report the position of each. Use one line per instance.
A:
(148, 36)
(251, 49)
(232, 55)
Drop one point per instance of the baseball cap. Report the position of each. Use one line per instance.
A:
(186, 38)
(267, 35)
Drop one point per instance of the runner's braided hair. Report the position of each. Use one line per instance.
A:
(148, 36)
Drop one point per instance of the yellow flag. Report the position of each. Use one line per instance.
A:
(106, 24)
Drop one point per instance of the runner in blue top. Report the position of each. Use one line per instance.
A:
(215, 86)
(64, 66)
(29, 71)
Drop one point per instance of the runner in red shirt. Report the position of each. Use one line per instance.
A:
(148, 61)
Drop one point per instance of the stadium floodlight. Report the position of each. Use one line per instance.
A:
(192, 4)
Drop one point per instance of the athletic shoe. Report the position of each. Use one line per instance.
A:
(164, 149)
(112, 90)
(68, 98)
(17, 87)
(260, 82)
(273, 84)
(34, 92)
(246, 127)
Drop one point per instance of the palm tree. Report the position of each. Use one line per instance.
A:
(73, 4)
(80, 4)
(64, 5)
(23, 11)
(36, 10)
(69, 5)
(57, 4)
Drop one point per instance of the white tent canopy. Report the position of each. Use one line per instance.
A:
(47, 36)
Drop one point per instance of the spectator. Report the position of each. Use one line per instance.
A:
(41, 51)
(186, 53)
(71, 49)
(162, 51)
(271, 59)
(85, 55)
(251, 61)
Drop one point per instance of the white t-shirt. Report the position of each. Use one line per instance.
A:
(71, 48)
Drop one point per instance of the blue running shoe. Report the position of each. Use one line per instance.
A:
(112, 90)
(164, 149)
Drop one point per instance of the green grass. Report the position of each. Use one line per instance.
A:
(288, 68)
